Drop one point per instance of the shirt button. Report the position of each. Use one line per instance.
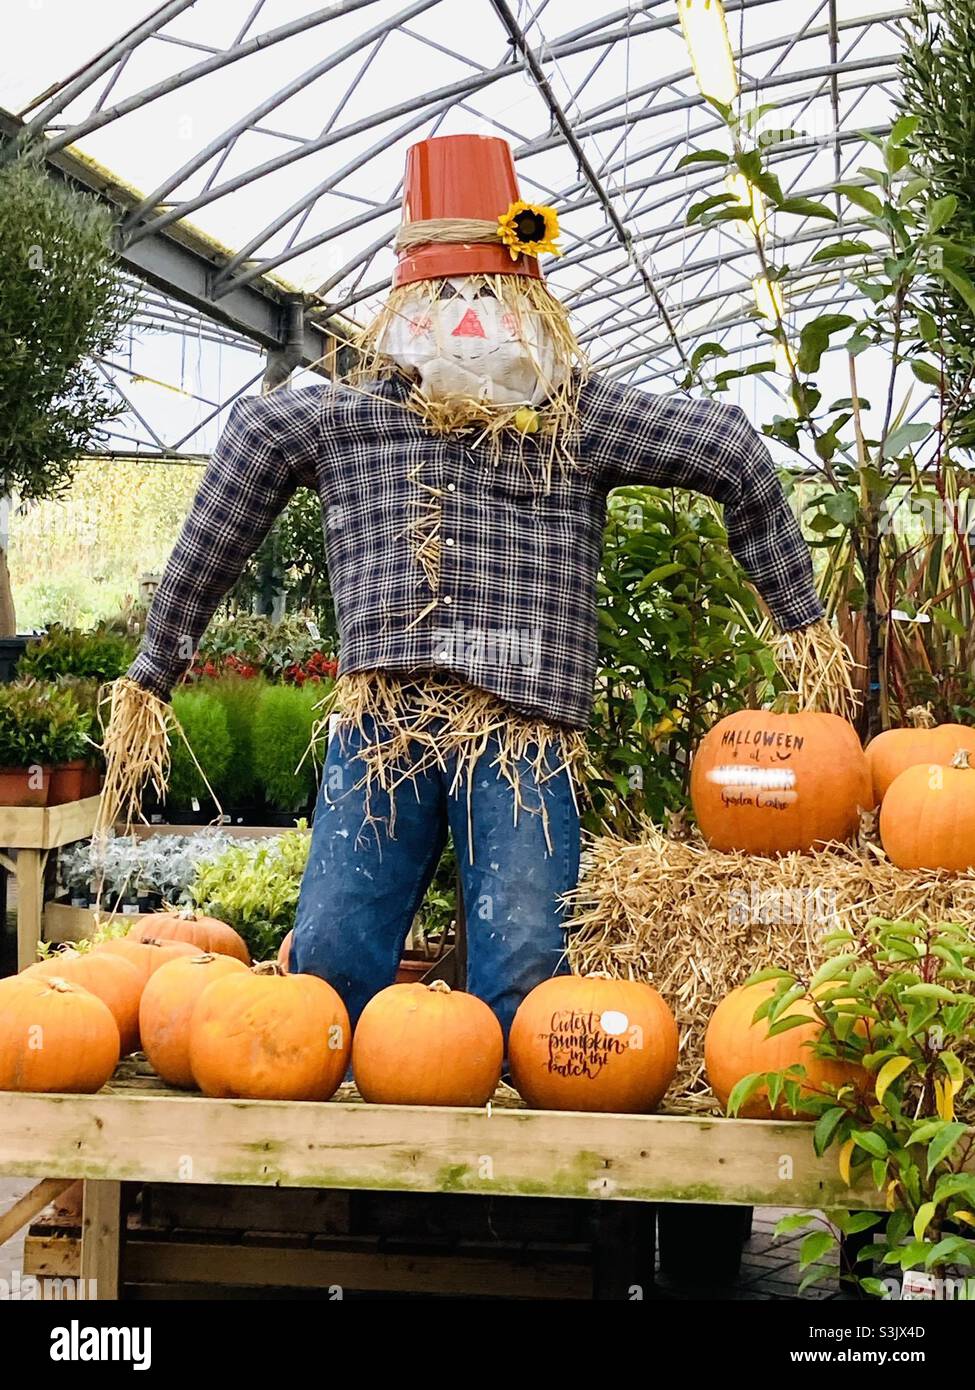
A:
(447, 598)
(451, 488)
(449, 540)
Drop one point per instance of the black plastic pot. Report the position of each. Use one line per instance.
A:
(685, 1229)
(11, 650)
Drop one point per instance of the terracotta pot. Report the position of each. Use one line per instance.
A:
(91, 780)
(67, 782)
(412, 969)
(16, 787)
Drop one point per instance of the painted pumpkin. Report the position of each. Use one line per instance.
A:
(735, 1046)
(167, 1006)
(778, 783)
(264, 1035)
(419, 1044)
(924, 744)
(116, 982)
(146, 956)
(927, 820)
(54, 1036)
(207, 934)
(592, 1043)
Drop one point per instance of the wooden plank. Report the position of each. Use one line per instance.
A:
(52, 1257)
(100, 1238)
(154, 1262)
(62, 922)
(28, 1206)
(47, 827)
(511, 1152)
(30, 902)
(22, 827)
(75, 820)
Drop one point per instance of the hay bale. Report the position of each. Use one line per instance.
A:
(696, 923)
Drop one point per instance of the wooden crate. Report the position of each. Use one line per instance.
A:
(213, 1242)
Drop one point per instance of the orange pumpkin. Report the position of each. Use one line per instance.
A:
(207, 934)
(735, 1047)
(263, 1035)
(924, 744)
(146, 956)
(167, 1006)
(592, 1043)
(777, 783)
(419, 1044)
(54, 1036)
(927, 820)
(116, 982)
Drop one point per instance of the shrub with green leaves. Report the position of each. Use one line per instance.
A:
(204, 722)
(897, 998)
(240, 784)
(254, 886)
(102, 654)
(283, 723)
(41, 725)
(677, 647)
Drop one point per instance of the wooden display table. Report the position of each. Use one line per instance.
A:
(138, 1131)
(31, 832)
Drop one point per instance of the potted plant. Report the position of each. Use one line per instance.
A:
(43, 738)
(898, 998)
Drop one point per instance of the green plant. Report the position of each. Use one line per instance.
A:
(283, 723)
(291, 561)
(254, 886)
(897, 244)
(677, 645)
(239, 697)
(62, 304)
(896, 998)
(204, 722)
(41, 725)
(101, 654)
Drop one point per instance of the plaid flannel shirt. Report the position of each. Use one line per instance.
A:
(513, 610)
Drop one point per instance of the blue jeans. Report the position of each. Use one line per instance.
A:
(362, 886)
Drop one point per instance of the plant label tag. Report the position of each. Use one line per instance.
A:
(131, 910)
(195, 803)
(918, 1285)
(313, 631)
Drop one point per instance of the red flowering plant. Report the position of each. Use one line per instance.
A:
(289, 651)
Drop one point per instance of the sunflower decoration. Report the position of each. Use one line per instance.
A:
(528, 229)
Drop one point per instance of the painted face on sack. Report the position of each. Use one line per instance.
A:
(464, 342)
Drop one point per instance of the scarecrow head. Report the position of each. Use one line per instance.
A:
(470, 319)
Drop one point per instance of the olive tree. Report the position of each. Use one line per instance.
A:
(62, 304)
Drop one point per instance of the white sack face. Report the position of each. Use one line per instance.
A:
(468, 344)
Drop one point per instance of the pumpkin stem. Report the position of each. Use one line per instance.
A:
(921, 717)
(961, 759)
(203, 959)
(267, 967)
(598, 975)
(439, 987)
(55, 982)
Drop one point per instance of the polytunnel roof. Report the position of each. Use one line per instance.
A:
(255, 148)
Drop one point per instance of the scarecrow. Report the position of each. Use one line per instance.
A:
(463, 472)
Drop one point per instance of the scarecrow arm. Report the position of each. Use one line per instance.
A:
(688, 442)
(268, 447)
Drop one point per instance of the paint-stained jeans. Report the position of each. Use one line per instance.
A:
(362, 887)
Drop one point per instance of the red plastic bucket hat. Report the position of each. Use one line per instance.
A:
(462, 176)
